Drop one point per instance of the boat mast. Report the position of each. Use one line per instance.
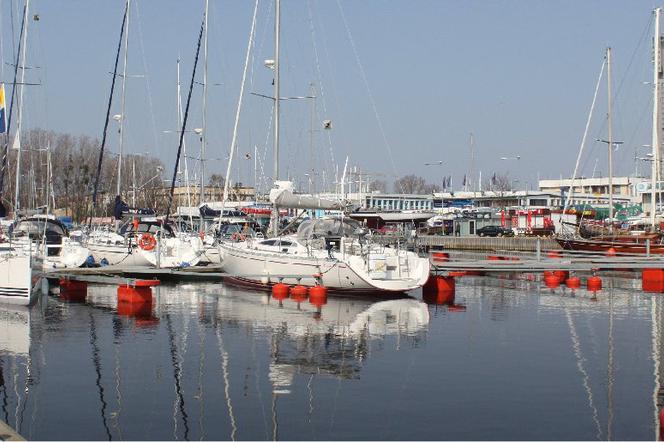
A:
(122, 101)
(277, 26)
(201, 198)
(17, 139)
(610, 140)
(657, 76)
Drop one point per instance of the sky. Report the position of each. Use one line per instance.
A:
(404, 83)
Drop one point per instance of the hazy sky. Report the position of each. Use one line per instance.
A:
(519, 75)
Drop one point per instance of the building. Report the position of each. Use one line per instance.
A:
(594, 191)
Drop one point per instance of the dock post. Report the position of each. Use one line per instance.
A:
(648, 247)
(539, 250)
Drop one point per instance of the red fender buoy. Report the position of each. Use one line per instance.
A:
(280, 291)
(139, 294)
(298, 291)
(611, 252)
(562, 275)
(318, 295)
(573, 282)
(594, 283)
(551, 281)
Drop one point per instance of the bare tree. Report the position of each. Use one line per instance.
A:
(415, 185)
(499, 182)
(378, 186)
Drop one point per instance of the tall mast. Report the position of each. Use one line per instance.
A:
(20, 110)
(472, 162)
(277, 29)
(610, 140)
(277, 26)
(657, 76)
(204, 131)
(122, 101)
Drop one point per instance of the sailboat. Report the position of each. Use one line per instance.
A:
(142, 242)
(334, 251)
(618, 241)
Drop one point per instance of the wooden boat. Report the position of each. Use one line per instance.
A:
(622, 244)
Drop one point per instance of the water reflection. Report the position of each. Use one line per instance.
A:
(208, 361)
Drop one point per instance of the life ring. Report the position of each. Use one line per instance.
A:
(147, 242)
(237, 237)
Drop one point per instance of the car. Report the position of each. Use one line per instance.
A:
(494, 231)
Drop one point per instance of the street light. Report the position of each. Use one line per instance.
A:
(437, 163)
(518, 157)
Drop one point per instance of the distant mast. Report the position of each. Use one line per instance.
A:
(657, 77)
(201, 227)
(122, 101)
(17, 137)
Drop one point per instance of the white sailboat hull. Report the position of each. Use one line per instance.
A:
(263, 268)
(20, 282)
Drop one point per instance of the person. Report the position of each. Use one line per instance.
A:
(119, 207)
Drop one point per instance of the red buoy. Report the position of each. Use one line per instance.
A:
(127, 293)
(562, 275)
(440, 256)
(652, 280)
(551, 281)
(611, 252)
(445, 284)
(280, 291)
(573, 282)
(548, 273)
(594, 283)
(318, 295)
(298, 291)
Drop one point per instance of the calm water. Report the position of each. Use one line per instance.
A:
(507, 360)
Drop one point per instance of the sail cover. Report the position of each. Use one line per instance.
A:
(283, 196)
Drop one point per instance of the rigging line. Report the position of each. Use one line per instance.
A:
(250, 44)
(320, 78)
(370, 94)
(108, 114)
(97, 364)
(5, 151)
(585, 135)
(186, 117)
(147, 77)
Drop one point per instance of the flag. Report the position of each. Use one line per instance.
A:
(493, 179)
(464, 180)
(3, 112)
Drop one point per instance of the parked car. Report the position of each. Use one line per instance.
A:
(494, 231)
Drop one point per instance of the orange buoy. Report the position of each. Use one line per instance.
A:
(127, 293)
(445, 283)
(298, 291)
(611, 252)
(551, 281)
(318, 295)
(280, 291)
(562, 275)
(594, 283)
(573, 282)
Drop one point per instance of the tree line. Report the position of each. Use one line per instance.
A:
(73, 164)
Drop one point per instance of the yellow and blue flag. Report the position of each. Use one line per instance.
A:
(3, 110)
